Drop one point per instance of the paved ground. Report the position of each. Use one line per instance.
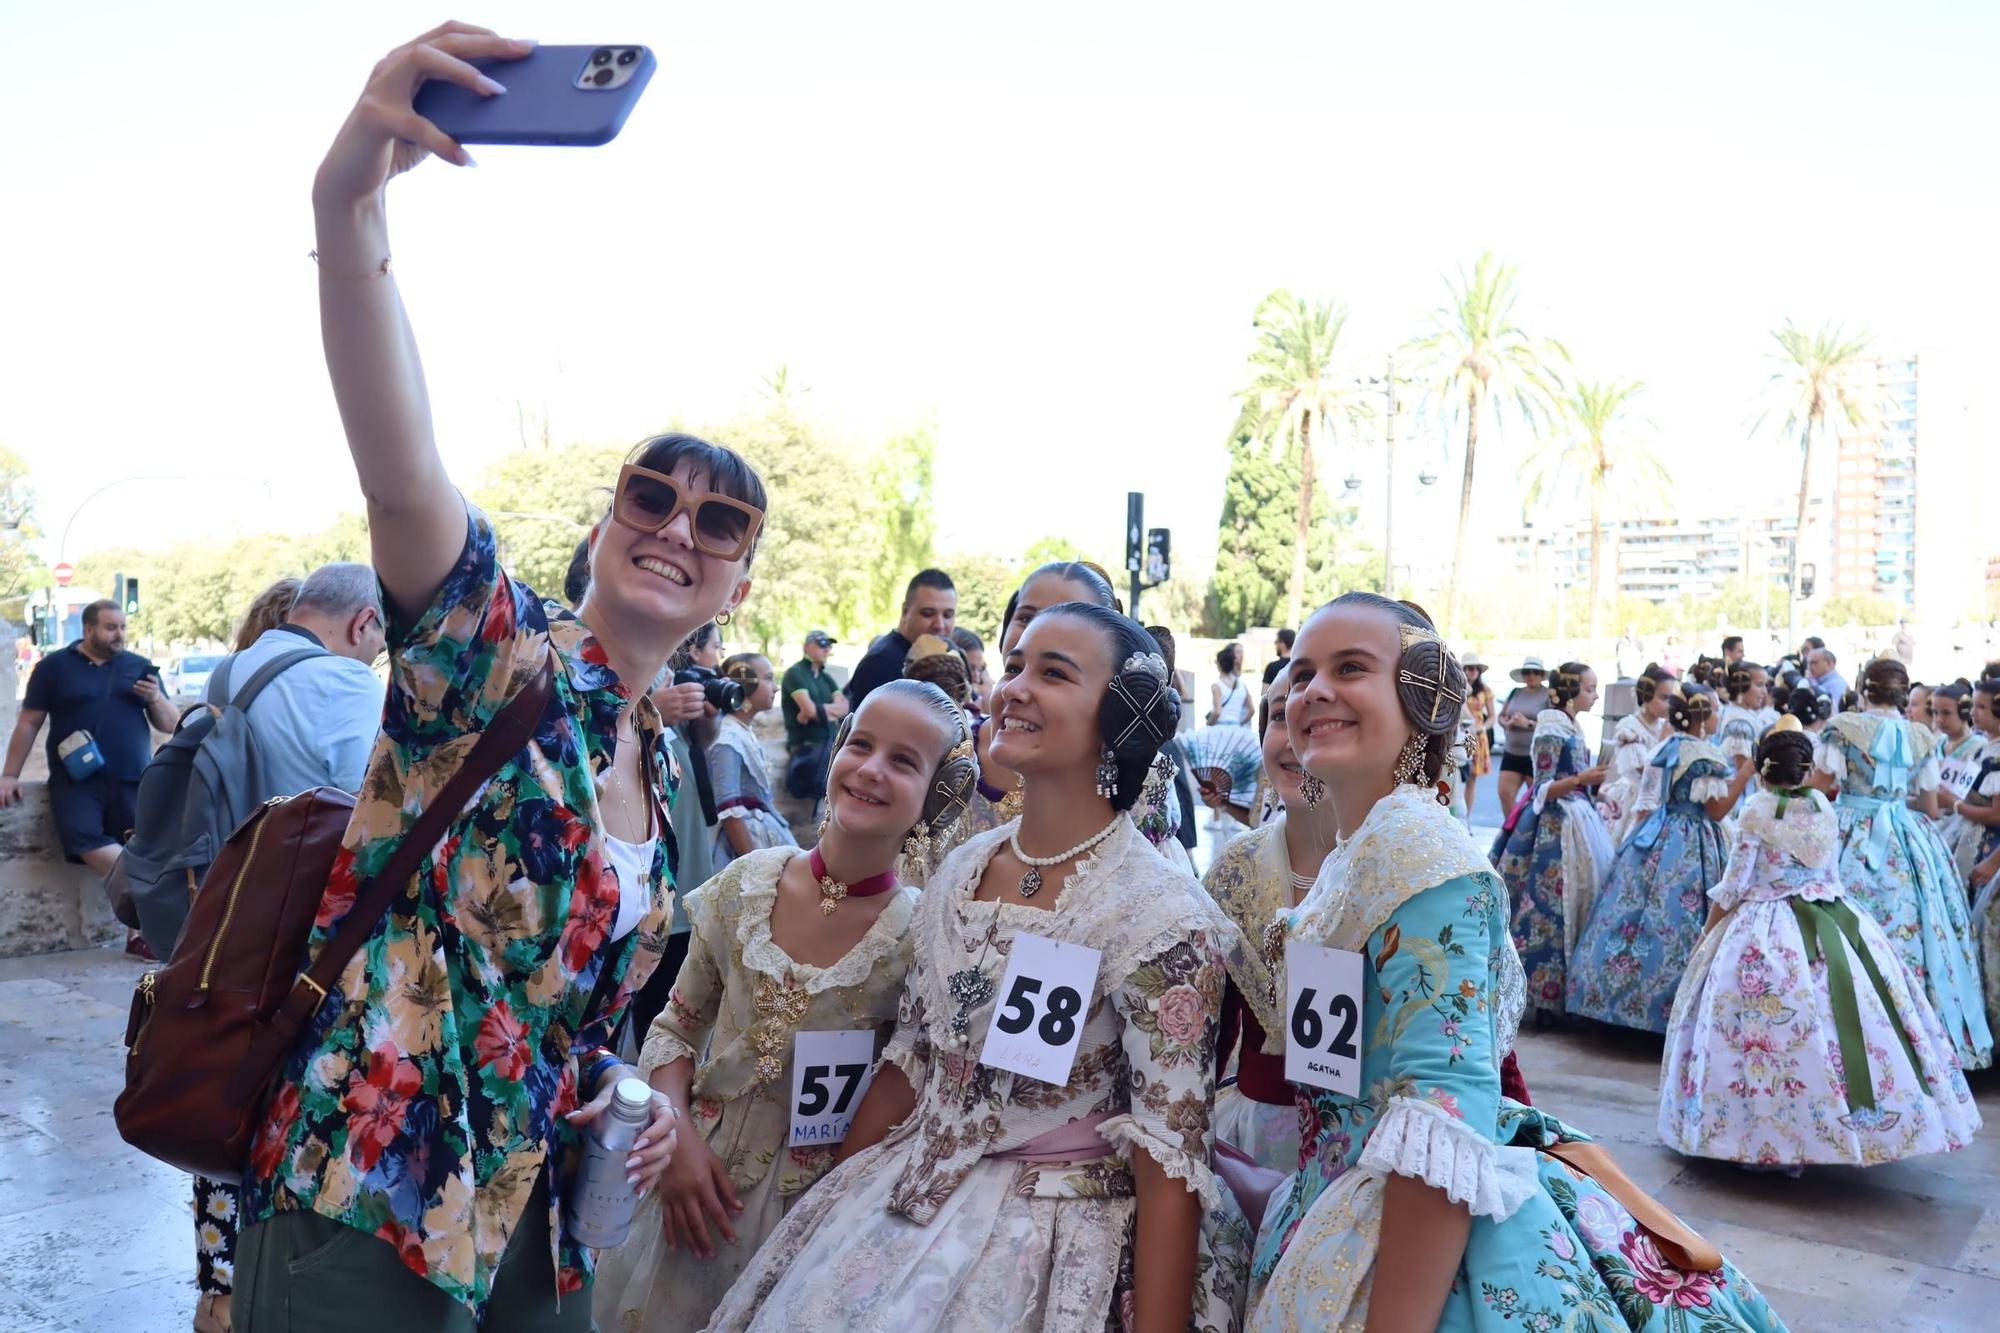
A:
(95, 1238)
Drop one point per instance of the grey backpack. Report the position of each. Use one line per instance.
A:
(198, 788)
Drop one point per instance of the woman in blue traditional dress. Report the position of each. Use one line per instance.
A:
(746, 807)
(1894, 864)
(1645, 923)
(1556, 851)
(1425, 1199)
(1800, 1036)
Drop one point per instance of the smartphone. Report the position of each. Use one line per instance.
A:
(563, 96)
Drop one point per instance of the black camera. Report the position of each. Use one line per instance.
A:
(718, 692)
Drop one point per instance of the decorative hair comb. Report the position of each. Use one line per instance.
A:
(1152, 664)
(1787, 723)
(1418, 634)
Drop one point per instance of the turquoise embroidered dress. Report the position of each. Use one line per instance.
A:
(1549, 1248)
(1896, 868)
(1553, 857)
(1644, 923)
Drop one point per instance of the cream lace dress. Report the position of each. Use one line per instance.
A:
(930, 1229)
(735, 1006)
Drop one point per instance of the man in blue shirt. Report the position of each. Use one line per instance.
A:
(1823, 674)
(92, 686)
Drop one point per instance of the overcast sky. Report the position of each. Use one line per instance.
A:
(1043, 225)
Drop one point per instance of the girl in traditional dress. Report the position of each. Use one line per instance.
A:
(973, 1196)
(784, 942)
(1633, 741)
(1425, 1200)
(1893, 864)
(1799, 1035)
(1557, 851)
(1979, 806)
(746, 811)
(1748, 687)
(1961, 746)
(1645, 922)
(1258, 875)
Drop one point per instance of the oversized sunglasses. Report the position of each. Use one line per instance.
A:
(649, 501)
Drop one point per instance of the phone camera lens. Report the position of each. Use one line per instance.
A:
(627, 56)
(602, 77)
(601, 56)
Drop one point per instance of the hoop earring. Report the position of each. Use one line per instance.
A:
(1313, 790)
(721, 617)
(1410, 763)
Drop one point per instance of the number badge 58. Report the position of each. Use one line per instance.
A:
(1323, 1006)
(1043, 1006)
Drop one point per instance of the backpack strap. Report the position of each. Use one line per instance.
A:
(502, 739)
(266, 674)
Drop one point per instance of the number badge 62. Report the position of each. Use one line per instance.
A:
(1323, 1007)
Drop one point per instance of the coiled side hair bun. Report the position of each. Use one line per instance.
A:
(1689, 713)
(1566, 686)
(1885, 683)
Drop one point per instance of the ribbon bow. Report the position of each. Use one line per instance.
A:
(1890, 753)
(1667, 760)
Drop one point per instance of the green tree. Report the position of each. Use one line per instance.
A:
(19, 567)
(1817, 371)
(1255, 544)
(1476, 358)
(1598, 455)
(1294, 392)
(984, 582)
(543, 501)
(903, 519)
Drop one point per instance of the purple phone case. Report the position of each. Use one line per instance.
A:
(542, 105)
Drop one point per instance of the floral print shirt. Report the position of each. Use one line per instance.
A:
(740, 998)
(426, 1099)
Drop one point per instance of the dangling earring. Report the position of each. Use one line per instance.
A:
(1410, 764)
(722, 617)
(1313, 790)
(918, 845)
(1107, 774)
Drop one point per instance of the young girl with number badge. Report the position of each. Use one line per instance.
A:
(1034, 1151)
(1426, 1200)
(794, 968)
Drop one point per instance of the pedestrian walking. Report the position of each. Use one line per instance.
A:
(1518, 711)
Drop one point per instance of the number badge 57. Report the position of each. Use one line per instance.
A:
(1323, 1007)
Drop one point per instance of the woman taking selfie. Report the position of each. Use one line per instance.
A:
(1425, 1200)
(405, 1173)
(977, 1197)
(785, 943)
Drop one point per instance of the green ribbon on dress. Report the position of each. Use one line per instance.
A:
(1824, 924)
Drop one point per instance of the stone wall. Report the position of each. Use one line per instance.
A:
(46, 904)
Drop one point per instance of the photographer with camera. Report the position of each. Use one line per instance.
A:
(745, 803)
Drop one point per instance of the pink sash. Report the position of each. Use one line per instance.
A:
(1072, 1141)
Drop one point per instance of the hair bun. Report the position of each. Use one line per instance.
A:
(1141, 710)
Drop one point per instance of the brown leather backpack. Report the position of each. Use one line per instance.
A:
(209, 1032)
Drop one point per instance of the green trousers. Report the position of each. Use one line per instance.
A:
(302, 1273)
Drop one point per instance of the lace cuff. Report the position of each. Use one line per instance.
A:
(1419, 1140)
(663, 1047)
(1830, 757)
(1738, 747)
(1542, 796)
(1709, 789)
(1125, 1132)
(902, 1052)
(1928, 775)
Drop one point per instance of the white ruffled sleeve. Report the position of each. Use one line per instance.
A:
(1829, 756)
(1989, 786)
(1708, 789)
(1928, 775)
(1419, 1140)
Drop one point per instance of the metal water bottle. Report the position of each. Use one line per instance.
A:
(602, 1201)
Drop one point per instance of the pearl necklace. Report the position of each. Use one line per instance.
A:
(1031, 883)
(1302, 882)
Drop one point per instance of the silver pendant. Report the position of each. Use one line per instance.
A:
(971, 988)
(1031, 883)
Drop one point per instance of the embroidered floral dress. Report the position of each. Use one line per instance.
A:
(1739, 731)
(1969, 770)
(426, 1099)
(733, 1012)
(933, 1228)
(1799, 1035)
(1251, 881)
(1632, 744)
(1553, 857)
(1896, 868)
(1644, 924)
(742, 784)
(1549, 1248)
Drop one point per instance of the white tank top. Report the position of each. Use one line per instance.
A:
(632, 863)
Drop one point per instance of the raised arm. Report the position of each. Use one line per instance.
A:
(416, 519)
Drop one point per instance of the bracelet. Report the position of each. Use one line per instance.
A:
(603, 1061)
(381, 272)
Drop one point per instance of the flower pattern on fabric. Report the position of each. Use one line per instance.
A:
(1753, 1071)
(1898, 870)
(426, 1098)
(1645, 922)
(1552, 861)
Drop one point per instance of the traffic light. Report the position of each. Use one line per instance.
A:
(131, 598)
(1807, 573)
(1159, 562)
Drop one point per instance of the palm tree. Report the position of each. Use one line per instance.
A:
(1816, 370)
(1293, 393)
(1600, 457)
(1476, 356)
